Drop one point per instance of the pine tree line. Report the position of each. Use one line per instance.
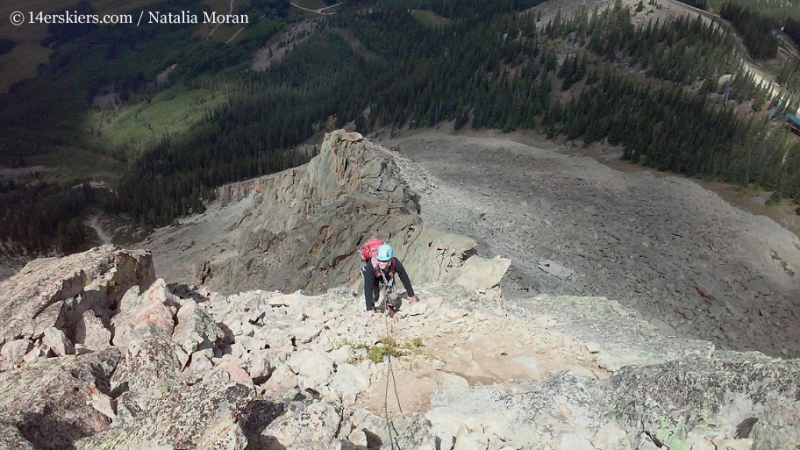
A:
(756, 31)
(646, 88)
(33, 213)
(267, 114)
(49, 111)
(792, 29)
(512, 89)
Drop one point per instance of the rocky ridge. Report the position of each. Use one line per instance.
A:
(182, 367)
(324, 210)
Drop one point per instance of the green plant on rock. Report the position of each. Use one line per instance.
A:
(414, 344)
(387, 345)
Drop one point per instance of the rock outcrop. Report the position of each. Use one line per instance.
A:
(267, 370)
(706, 397)
(54, 298)
(56, 401)
(302, 228)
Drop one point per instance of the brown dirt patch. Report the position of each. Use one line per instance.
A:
(495, 351)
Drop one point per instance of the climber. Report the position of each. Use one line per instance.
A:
(378, 271)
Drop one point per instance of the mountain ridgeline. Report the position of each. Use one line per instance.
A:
(594, 76)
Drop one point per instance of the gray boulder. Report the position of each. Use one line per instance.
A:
(146, 315)
(149, 371)
(91, 332)
(304, 425)
(196, 330)
(420, 435)
(51, 401)
(671, 399)
(56, 292)
(11, 438)
(202, 416)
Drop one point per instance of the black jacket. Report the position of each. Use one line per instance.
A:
(371, 280)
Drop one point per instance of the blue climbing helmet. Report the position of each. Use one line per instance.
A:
(385, 253)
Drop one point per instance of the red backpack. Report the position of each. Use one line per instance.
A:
(370, 248)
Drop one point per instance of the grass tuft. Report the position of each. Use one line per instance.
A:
(387, 345)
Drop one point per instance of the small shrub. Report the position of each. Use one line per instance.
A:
(774, 199)
(415, 343)
(387, 345)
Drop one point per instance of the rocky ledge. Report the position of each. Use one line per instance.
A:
(99, 354)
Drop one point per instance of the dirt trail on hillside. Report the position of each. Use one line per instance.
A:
(688, 261)
(94, 223)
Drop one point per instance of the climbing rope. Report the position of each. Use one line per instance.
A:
(387, 358)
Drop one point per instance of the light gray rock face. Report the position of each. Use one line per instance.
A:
(14, 352)
(202, 416)
(692, 393)
(57, 341)
(11, 438)
(56, 292)
(612, 437)
(617, 335)
(50, 401)
(668, 247)
(313, 369)
(196, 330)
(574, 442)
(149, 370)
(146, 315)
(259, 367)
(91, 332)
(281, 380)
(348, 382)
(311, 426)
(680, 403)
(520, 412)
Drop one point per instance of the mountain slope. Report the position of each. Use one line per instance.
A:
(662, 245)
